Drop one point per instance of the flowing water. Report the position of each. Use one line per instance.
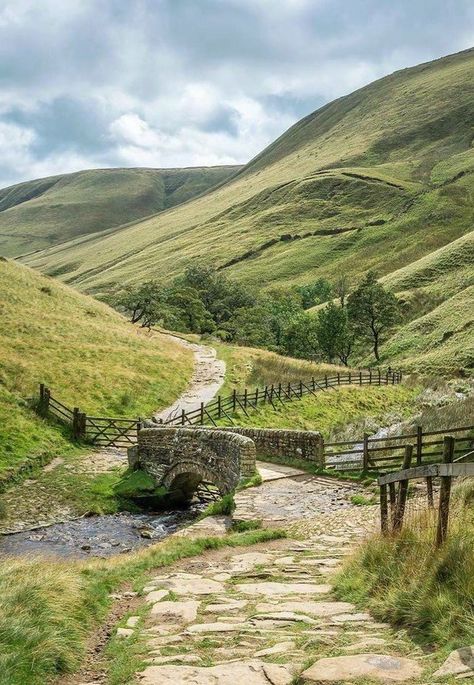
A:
(97, 536)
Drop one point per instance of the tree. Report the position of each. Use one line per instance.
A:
(300, 337)
(372, 311)
(341, 288)
(334, 333)
(139, 301)
(314, 293)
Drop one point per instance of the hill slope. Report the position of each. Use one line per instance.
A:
(48, 211)
(86, 352)
(379, 178)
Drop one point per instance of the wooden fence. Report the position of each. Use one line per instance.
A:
(386, 454)
(105, 431)
(396, 502)
(248, 400)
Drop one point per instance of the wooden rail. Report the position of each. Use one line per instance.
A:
(275, 394)
(445, 472)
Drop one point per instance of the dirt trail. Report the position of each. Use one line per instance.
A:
(205, 382)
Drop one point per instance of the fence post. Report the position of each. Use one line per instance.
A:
(393, 500)
(429, 491)
(350, 377)
(234, 399)
(45, 394)
(301, 388)
(201, 418)
(313, 384)
(380, 376)
(445, 492)
(245, 397)
(279, 391)
(419, 445)
(383, 510)
(76, 423)
(256, 396)
(365, 455)
(370, 376)
(183, 417)
(402, 491)
(360, 377)
(338, 378)
(219, 410)
(139, 425)
(322, 457)
(289, 391)
(386, 378)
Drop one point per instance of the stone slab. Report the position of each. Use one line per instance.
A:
(278, 589)
(183, 612)
(385, 669)
(237, 673)
(320, 609)
(459, 662)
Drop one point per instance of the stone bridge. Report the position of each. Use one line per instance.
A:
(181, 458)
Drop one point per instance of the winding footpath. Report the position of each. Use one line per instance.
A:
(266, 615)
(205, 382)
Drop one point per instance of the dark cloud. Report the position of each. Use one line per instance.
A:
(171, 82)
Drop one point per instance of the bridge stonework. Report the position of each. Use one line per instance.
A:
(181, 458)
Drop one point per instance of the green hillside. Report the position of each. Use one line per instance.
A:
(379, 178)
(86, 352)
(48, 211)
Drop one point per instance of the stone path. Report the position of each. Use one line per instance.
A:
(268, 616)
(205, 383)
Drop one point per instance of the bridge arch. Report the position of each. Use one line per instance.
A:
(181, 458)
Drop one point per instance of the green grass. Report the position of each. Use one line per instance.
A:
(48, 211)
(249, 367)
(47, 609)
(85, 352)
(409, 584)
(328, 411)
(391, 165)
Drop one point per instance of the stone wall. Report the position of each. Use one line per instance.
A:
(182, 457)
(272, 442)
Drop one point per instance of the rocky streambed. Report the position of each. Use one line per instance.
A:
(97, 536)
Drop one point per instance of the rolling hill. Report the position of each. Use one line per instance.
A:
(86, 352)
(380, 179)
(48, 211)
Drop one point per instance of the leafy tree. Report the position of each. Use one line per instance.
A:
(252, 326)
(314, 293)
(188, 310)
(300, 338)
(139, 302)
(372, 311)
(341, 288)
(334, 334)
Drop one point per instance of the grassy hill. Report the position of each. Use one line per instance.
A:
(48, 211)
(382, 178)
(86, 352)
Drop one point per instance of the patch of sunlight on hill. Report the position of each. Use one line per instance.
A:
(89, 355)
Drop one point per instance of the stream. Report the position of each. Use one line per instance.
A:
(97, 536)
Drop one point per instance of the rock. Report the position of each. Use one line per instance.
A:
(236, 673)
(248, 561)
(283, 616)
(156, 596)
(192, 584)
(279, 648)
(86, 548)
(459, 662)
(184, 612)
(124, 632)
(183, 658)
(222, 576)
(278, 589)
(352, 618)
(132, 621)
(284, 561)
(215, 627)
(320, 609)
(227, 606)
(385, 669)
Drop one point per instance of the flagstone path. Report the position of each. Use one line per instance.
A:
(268, 616)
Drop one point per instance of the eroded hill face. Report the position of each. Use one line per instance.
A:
(379, 178)
(37, 214)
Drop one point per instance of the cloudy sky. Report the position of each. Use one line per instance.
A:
(96, 83)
